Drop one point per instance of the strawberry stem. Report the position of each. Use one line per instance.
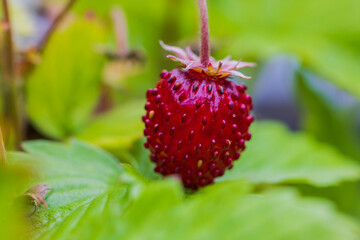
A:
(204, 48)
(121, 32)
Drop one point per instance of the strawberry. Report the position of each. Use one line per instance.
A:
(197, 119)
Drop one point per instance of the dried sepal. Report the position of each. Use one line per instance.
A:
(35, 196)
(218, 69)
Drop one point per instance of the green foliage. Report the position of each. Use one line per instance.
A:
(93, 197)
(228, 211)
(77, 174)
(278, 28)
(294, 157)
(146, 26)
(345, 195)
(260, 29)
(63, 90)
(117, 128)
(12, 222)
(326, 119)
(251, 30)
(331, 121)
(333, 61)
(138, 157)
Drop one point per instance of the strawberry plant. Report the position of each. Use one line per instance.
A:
(95, 145)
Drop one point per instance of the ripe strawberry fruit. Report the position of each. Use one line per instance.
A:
(197, 120)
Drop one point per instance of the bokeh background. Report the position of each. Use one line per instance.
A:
(89, 83)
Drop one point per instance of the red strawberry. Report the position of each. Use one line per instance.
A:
(197, 120)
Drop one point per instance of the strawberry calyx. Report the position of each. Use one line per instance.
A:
(215, 69)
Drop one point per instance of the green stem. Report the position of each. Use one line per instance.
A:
(54, 24)
(3, 159)
(11, 98)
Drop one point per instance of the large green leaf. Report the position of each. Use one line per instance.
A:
(275, 155)
(78, 176)
(93, 197)
(63, 90)
(224, 211)
(117, 128)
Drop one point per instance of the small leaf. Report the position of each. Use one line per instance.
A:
(138, 156)
(275, 155)
(63, 90)
(117, 128)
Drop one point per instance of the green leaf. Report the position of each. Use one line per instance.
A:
(117, 128)
(85, 214)
(275, 155)
(345, 195)
(63, 90)
(332, 121)
(13, 224)
(147, 23)
(331, 60)
(223, 211)
(102, 8)
(78, 176)
(92, 197)
(138, 156)
(326, 118)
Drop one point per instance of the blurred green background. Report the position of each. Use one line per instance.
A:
(305, 150)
